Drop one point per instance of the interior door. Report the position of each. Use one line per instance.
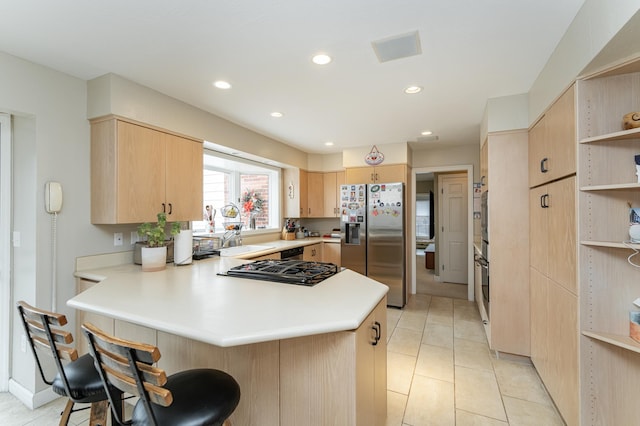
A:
(453, 228)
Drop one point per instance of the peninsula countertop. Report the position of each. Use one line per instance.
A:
(193, 301)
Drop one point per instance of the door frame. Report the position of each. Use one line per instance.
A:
(468, 168)
(5, 250)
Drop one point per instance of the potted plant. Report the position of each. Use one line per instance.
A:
(154, 254)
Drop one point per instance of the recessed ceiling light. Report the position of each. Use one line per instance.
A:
(412, 90)
(329, 143)
(321, 59)
(426, 133)
(277, 114)
(221, 84)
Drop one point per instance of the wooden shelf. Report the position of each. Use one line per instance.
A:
(611, 244)
(624, 342)
(615, 186)
(616, 136)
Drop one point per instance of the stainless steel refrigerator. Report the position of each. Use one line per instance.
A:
(373, 237)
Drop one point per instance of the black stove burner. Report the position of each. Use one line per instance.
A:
(286, 271)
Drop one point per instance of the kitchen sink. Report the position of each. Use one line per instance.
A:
(241, 250)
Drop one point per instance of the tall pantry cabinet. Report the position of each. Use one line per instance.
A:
(609, 283)
(503, 155)
(552, 234)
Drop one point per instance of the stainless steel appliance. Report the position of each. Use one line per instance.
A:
(353, 227)
(373, 237)
(484, 230)
(294, 253)
(285, 271)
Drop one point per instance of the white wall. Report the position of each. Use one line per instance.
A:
(394, 153)
(505, 113)
(594, 26)
(51, 142)
(112, 94)
(449, 156)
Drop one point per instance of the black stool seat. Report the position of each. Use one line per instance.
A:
(200, 397)
(77, 377)
(84, 381)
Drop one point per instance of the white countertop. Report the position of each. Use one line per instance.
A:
(194, 302)
(279, 245)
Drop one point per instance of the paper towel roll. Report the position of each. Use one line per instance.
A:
(183, 247)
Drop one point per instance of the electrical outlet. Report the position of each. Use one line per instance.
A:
(134, 237)
(23, 343)
(117, 238)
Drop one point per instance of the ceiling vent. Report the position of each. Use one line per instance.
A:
(397, 47)
(430, 138)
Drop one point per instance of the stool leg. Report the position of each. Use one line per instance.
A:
(64, 416)
(99, 412)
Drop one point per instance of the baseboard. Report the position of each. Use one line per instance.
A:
(29, 399)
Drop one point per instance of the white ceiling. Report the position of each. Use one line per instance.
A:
(472, 50)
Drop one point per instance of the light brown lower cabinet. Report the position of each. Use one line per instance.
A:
(554, 343)
(331, 253)
(313, 253)
(349, 390)
(327, 379)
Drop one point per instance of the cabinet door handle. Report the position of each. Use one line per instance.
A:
(543, 165)
(544, 201)
(378, 330)
(372, 178)
(482, 181)
(170, 208)
(164, 208)
(376, 177)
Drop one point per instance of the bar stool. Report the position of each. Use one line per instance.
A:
(198, 396)
(78, 379)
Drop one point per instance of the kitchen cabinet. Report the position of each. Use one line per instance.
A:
(315, 194)
(553, 231)
(552, 146)
(304, 197)
(362, 353)
(311, 194)
(331, 253)
(508, 329)
(313, 253)
(608, 283)
(553, 293)
(138, 171)
(332, 183)
(103, 322)
(484, 166)
(377, 174)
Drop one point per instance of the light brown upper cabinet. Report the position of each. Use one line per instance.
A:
(552, 142)
(484, 166)
(139, 171)
(315, 194)
(377, 174)
(332, 182)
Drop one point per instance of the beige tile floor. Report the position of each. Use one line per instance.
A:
(440, 372)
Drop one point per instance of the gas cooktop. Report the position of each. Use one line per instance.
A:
(285, 271)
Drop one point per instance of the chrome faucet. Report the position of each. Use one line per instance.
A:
(231, 239)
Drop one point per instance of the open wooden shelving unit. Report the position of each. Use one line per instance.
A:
(609, 358)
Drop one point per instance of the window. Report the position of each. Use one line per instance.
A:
(423, 218)
(252, 187)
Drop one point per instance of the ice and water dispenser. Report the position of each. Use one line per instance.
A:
(352, 233)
